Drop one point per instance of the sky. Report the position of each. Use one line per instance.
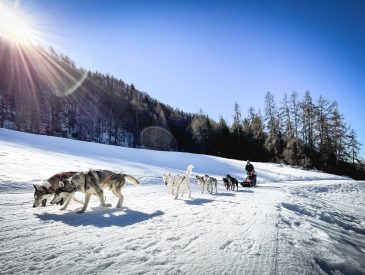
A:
(207, 55)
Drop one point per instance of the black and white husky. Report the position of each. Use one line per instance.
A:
(93, 182)
(230, 182)
(175, 182)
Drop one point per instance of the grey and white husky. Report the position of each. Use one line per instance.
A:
(212, 182)
(45, 191)
(203, 184)
(93, 182)
(207, 183)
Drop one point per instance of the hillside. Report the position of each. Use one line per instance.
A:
(294, 222)
(44, 92)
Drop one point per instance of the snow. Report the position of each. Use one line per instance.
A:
(294, 222)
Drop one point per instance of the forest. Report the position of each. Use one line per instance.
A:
(44, 92)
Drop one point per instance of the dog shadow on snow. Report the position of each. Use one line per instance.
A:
(245, 191)
(202, 201)
(197, 201)
(101, 217)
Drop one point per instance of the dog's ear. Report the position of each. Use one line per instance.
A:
(38, 187)
(61, 184)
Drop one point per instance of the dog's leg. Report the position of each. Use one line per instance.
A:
(100, 194)
(177, 192)
(120, 196)
(67, 202)
(120, 202)
(188, 186)
(87, 199)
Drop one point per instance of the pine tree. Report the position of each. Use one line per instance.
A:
(273, 142)
(308, 117)
(271, 114)
(237, 121)
(338, 132)
(354, 147)
(295, 112)
(286, 117)
(321, 126)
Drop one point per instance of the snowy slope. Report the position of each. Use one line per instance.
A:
(295, 222)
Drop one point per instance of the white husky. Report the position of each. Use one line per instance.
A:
(174, 182)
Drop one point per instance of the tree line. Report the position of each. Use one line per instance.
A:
(43, 92)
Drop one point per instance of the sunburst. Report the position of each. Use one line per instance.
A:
(15, 26)
(26, 43)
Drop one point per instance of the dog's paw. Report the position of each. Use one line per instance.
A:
(107, 205)
(80, 212)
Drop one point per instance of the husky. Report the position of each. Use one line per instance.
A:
(45, 191)
(230, 182)
(93, 182)
(168, 182)
(227, 183)
(174, 182)
(234, 182)
(203, 183)
(212, 182)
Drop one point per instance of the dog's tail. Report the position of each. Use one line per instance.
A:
(131, 179)
(189, 170)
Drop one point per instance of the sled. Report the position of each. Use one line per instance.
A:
(249, 181)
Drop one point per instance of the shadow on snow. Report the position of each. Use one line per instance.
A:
(101, 217)
(198, 201)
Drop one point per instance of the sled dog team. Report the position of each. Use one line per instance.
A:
(63, 186)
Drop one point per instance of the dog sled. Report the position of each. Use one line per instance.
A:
(250, 180)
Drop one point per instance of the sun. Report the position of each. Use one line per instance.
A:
(15, 27)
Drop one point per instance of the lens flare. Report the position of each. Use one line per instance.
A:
(158, 138)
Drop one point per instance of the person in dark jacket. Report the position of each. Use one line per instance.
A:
(251, 179)
(249, 168)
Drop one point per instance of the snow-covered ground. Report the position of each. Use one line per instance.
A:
(294, 222)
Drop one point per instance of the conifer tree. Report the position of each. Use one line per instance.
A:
(237, 121)
(354, 147)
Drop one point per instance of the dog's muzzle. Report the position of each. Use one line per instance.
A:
(60, 202)
(43, 203)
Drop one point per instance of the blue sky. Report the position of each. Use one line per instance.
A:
(209, 54)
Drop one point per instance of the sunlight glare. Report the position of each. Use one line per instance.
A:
(14, 27)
